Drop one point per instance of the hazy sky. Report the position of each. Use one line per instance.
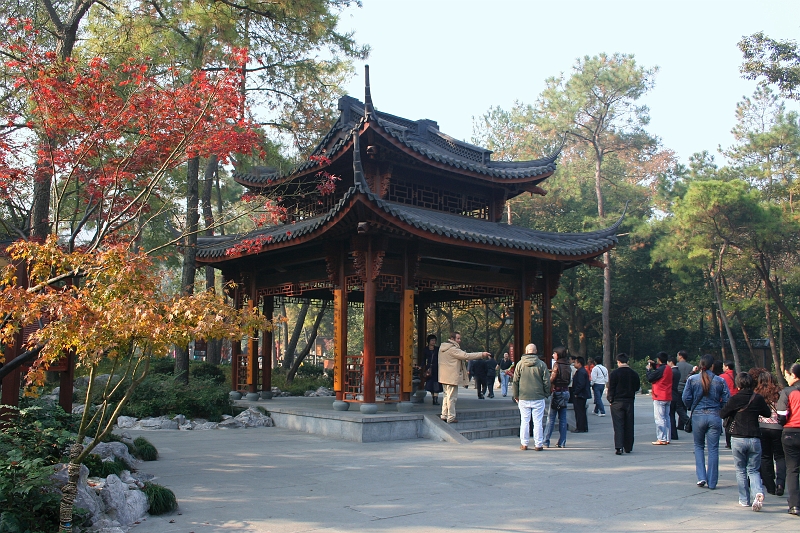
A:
(450, 60)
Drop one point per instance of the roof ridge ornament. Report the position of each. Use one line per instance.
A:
(369, 109)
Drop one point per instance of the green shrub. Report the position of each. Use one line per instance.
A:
(161, 499)
(162, 365)
(301, 383)
(34, 440)
(310, 370)
(99, 468)
(161, 395)
(203, 370)
(145, 449)
(639, 367)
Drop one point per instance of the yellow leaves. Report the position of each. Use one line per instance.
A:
(116, 307)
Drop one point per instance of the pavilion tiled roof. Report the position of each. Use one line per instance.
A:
(452, 227)
(420, 136)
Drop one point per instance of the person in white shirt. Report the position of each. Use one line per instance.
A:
(599, 380)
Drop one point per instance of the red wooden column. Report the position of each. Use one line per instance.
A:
(547, 317)
(236, 348)
(266, 348)
(422, 332)
(340, 328)
(252, 342)
(369, 326)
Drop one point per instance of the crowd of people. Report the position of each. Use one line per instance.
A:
(759, 419)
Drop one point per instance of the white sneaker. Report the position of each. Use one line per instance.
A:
(758, 502)
(601, 414)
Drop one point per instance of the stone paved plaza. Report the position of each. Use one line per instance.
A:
(281, 481)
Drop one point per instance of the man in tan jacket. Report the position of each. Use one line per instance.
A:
(453, 373)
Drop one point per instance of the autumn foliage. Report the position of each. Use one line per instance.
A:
(110, 304)
(106, 135)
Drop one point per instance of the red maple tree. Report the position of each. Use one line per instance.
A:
(106, 136)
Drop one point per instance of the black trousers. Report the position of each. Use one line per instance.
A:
(791, 448)
(680, 411)
(622, 418)
(480, 384)
(773, 462)
(581, 421)
(673, 411)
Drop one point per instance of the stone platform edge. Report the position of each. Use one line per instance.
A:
(357, 427)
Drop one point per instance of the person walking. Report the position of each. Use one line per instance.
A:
(559, 381)
(432, 384)
(505, 376)
(660, 376)
(622, 386)
(704, 396)
(728, 374)
(530, 388)
(490, 365)
(672, 363)
(599, 380)
(686, 370)
(789, 416)
(773, 461)
(744, 408)
(583, 391)
(479, 371)
(453, 373)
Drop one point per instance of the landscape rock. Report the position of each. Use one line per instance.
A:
(122, 504)
(230, 423)
(323, 391)
(150, 423)
(168, 424)
(180, 419)
(309, 393)
(78, 408)
(253, 418)
(86, 497)
(126, 422)
(276, 391)
(110, 450)
(81, 382)
(207, 425)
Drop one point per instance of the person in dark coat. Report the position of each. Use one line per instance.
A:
(479, 371)
(672, 362)
(583, 392)
(621, 394)
(432, 384)
(491, 366)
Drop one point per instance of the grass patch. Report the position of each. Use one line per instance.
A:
(145, 449)
(99, 468)
(161, 499)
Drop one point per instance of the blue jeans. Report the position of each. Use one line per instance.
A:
(707, 429)
(562, 421)
(747, 460)
(598, 398)
(504, 379)
(661, 414)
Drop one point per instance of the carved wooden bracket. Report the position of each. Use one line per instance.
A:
(360, 264)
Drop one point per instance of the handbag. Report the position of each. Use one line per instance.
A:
(559, 401)
(688, 426)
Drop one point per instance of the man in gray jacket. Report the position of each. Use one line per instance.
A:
(530, 388)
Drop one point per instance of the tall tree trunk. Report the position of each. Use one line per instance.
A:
(763, 270)
(772, 348)
(312, 337)
(734, 350)
(66, 33)
(738, 316)
(214, 346)
(189, 269)
(601, 212)
(291, 346)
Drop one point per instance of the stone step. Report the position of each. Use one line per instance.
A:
(485, 423)
(480, 414)
(489, 433)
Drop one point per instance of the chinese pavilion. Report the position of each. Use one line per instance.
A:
(413, 221)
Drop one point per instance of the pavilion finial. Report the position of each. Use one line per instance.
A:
(369, 109)
(358, 171)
